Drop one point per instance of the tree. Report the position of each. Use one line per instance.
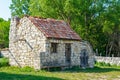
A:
(96, 21)
(111, 27)
(81, 14)
(4, 33)
(20, 7)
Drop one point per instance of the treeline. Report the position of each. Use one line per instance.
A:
(97, 21)
(4, 33)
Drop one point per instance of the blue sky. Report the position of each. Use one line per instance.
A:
(4, 9)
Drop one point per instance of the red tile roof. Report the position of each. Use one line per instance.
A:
(52, 28)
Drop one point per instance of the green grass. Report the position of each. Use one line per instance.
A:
(4, 62)
(98, 73)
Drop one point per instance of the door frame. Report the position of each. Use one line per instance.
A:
(68, 53)
(84, 58)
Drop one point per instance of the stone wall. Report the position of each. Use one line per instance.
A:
(59, 59)
(86, 45)
(26, 45)
(111, 60)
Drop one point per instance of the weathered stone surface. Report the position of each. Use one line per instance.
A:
(111, 60)
(58, 59)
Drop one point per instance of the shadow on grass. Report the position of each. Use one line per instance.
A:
(91, 70)
(8, 76)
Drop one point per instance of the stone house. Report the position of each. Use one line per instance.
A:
(43, 43)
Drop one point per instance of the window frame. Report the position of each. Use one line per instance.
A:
(54, 47)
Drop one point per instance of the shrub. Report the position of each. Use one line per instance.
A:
(102, 64)
(107, 64)
(55, 69)
(75, 68)
(4, 62)
(27, 69)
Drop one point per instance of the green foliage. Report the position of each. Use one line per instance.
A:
(4, 33)
(1, 19)
(108, 27)
(95, 20)
(111, 27)
(103, 64)
(80, 14)
(55, 69)
(20, 7)
(27, 69)
(4, 62)
(90, 19)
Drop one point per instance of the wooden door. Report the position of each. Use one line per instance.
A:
(84, 58)
(68, 53)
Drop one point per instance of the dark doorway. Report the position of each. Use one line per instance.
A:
(84, 58)
(68, 53)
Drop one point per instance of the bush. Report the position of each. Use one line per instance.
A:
(27, 69)
(4, 62)
(108, 64)
(102, 64)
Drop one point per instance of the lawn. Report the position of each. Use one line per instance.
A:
(97, 73)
